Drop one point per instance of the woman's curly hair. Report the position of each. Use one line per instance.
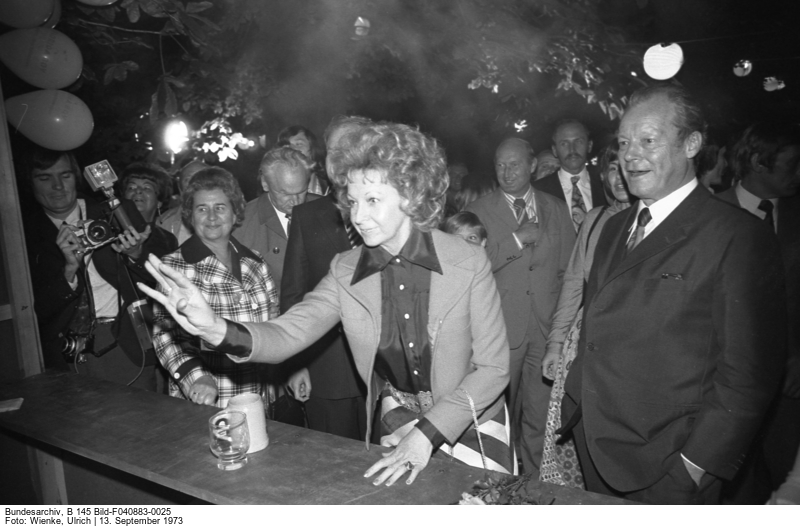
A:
(213, 178)
(410, 161)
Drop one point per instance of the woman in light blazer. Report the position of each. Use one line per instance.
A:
(419, 308)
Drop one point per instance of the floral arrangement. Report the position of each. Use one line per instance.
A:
(496, 489)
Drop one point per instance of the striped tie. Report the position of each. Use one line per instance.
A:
(521, 210)
(353, 236)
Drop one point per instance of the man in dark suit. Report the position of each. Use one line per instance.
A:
(284, 175)
(683, 337)
(573, 183)
(529, 242)
(767, 165)
(333, 391)
(77, 290)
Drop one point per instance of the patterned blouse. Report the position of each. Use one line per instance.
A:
(246, 295)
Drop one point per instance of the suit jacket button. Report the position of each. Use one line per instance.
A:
(276, 250)
(590, 346)
(530, 268)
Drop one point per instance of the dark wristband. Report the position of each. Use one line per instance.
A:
(237, 342)
(431, 432)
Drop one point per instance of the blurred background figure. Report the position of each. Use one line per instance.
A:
(712, 162)
(560, 462)
(324, 376)
(235, 282)
(304, 141)
(284, 174)
(456, 172)
(575, 182)
(547, 164)
(767, 165)
(171, 220)
(468, 226)
(148, 186)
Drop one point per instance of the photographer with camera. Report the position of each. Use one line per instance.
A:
(83, 266)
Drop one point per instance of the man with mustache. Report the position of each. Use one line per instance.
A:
(573, 183)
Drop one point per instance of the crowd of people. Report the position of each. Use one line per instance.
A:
(625, 323)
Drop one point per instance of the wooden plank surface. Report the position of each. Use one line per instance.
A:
(164, 440)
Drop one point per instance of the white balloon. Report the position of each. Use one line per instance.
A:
(25, 13)
(663, 62)
(53, 119)
(45, 58)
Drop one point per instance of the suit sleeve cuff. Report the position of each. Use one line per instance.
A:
(431, 432)
(519, 243)
(237, 342)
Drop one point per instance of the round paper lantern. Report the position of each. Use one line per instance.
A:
(25, 13)
(55, 17)
(97, 3)
(53, 119)
(662, 62)
(743, 68)
(773, 84)
(43, 57)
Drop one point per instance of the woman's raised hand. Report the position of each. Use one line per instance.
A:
(184, 301)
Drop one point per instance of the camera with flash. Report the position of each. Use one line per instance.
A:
(96, 233)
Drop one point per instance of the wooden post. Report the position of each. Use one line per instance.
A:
(46, 468)
(15, 256)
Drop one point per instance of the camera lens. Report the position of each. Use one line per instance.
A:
(99, 231)
(69, 346)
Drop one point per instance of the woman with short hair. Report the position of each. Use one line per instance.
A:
(234, 281)
(419, 308)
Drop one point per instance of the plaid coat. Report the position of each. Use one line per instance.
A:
(250, 297)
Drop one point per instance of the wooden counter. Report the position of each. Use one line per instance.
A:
(164, 440)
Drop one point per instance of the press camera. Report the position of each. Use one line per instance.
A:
(96, 233)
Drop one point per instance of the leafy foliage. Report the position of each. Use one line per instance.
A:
(257, 63)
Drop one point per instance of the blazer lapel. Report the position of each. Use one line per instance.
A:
(367, 292)
(446, 288)
(269, 217)
(672, 230)
(503, 211)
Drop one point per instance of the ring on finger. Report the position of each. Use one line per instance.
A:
(409, 465)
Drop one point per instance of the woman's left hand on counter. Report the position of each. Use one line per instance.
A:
(412, 453)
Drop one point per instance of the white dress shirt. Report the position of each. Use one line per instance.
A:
(750, 203)
(584, 185)
(106, 303)
(284, 219)
(663, 207)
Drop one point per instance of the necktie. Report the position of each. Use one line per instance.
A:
(767, 206)
(520, 210)
(578, 206)
(288, 223)
(641, 222)
(352, 235)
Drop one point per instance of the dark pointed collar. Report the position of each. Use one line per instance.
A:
(418, 250)
(194, 250)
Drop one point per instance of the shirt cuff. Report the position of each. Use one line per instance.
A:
(519, 243)
(692, 464)
(237, 342)
(431, 432)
